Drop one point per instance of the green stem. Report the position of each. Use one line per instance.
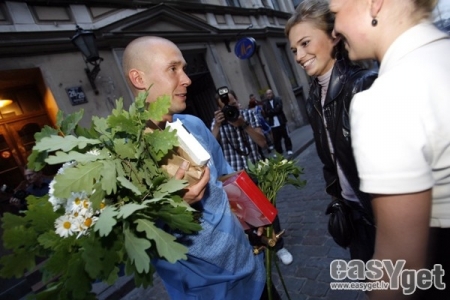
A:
(269, 263)
(282, 280)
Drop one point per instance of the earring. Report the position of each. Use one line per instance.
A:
(374, 22)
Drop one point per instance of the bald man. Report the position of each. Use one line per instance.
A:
(220, 263)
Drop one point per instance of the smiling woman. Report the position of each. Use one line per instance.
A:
(335, 82)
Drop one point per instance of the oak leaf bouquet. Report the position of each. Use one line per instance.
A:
(105, 205)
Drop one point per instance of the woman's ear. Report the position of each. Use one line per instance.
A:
(336, 39)
(136, 79)
(375, 7)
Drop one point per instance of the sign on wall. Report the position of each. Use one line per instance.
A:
(76, 95)
(245, 47)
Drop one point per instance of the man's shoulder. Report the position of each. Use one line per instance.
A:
(188, 118)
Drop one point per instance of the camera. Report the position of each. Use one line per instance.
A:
(231, 113)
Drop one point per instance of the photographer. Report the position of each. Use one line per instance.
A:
(240, 134)
(238, 131)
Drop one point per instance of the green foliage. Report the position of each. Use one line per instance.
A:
(111, 174)
(274, 173)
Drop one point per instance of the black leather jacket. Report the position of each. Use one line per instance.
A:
(346, 80)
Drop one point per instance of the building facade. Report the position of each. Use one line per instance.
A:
(43, 72)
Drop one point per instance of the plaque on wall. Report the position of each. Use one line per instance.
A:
(76, 95)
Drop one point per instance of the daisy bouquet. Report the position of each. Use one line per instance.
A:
(272, 174)
(105, 207)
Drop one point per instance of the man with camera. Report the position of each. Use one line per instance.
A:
(239, 132)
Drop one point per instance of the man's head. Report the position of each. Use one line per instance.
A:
(32, 177)
(233, 100)
(157, 62)
(269, 95)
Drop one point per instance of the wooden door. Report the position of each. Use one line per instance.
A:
(16, 143)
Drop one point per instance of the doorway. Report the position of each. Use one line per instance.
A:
(19, 121)
(201, 93)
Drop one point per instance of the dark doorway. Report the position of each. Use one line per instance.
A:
(201, 93)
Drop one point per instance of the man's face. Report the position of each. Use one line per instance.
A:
(164, 70)
(353, 24)
(31, 176)
(269, 95)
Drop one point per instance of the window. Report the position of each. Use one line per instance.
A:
(287, 67)
(26, 99)
(296, 3)
(234, 3)
(271, 4)
(275, 5)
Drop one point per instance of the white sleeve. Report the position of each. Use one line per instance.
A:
(390, 143)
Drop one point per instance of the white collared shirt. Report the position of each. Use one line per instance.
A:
(401, 125)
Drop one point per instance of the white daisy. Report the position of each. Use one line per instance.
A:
(75, 202)
(102, 207)
(56, 202)
(95, 152)
(65, 226)
(84, 223)
(51, 187)
(66, 165)
(86, 207)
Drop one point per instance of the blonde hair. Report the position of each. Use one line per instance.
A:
(316, 12)
(425, 7)
(313, 11)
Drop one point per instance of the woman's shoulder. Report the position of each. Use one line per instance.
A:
(360, 78)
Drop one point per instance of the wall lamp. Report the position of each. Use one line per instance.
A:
(84, 40)
(5, 102)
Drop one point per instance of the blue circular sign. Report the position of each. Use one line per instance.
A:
(245, 47)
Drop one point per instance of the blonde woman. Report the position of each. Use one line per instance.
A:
(401, 131)
(335, 81)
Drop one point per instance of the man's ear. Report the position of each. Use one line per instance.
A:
(136, 79)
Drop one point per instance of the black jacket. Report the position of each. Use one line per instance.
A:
(276, 111)
(346, 80)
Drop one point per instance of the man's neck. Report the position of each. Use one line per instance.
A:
(165, 119)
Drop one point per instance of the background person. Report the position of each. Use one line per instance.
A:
(335, 81)
(273, 110)
(220, 263)
(400, 129)
(240, 140)
(34, 184)
(256, 106)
